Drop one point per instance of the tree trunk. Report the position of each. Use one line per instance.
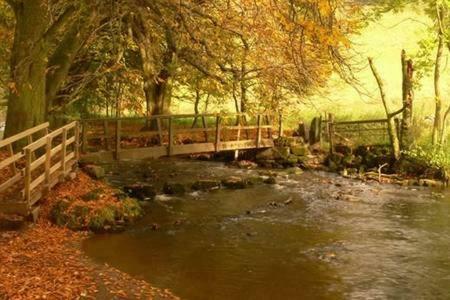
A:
(437, 126)
(196, 107)
(61, 60)
(395, 144)
(406, 138)
(26, 105)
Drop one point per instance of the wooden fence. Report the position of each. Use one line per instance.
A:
(368, 132)
(38, 166)
(169, 135)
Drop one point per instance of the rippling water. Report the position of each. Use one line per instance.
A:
(311, 236)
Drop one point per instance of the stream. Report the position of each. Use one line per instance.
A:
(310, 236)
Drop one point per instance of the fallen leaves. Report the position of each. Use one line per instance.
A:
(46, 262)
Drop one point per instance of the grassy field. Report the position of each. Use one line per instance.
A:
(383, 41)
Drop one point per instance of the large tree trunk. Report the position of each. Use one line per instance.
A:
(437, 126)
(26, 105)
(392, 130)
(406, 138)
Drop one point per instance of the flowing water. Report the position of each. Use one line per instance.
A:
(310, 236)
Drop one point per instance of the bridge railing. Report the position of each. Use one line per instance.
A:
(12, 158)
(38, 167)
(167, 135)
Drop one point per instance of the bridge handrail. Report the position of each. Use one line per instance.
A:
(168, 116)
(42, 169)
(24, 134)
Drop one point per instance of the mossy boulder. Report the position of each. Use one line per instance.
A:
(141, 192)
(81, 215)
(95, 172)
(93, 195)
(300, 150)
(174, 189)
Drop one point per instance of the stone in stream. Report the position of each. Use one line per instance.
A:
(245, 164)
(174, 189)
(235, 183)
(141, 191)
(95, 172)
(206, 185)
(270, 180)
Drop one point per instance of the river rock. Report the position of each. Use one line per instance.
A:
(300, 150)
(174, 189)
(235, 183)
(270, 180)
(294, 171)
(245, 164)
(95, 172)
(431, 183)
(141, 191)
(266, 155)
(206, 185)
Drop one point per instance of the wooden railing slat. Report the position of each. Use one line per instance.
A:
(23, 135)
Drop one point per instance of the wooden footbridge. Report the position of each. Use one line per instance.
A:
(34, 161)
(171, 135)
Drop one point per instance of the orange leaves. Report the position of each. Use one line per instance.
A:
(46, 262)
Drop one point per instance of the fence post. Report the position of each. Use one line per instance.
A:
(11, 153)
(160, 131)
(27, 178)
(84, 137)
(106, 133)
(64, 152)
(118, 138)
(331, 132)
(218, 130)
(48, 161)
(280, 126)
(77, 141)
(171, 135)
(258, 133)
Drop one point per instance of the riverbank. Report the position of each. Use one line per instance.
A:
(45, 261)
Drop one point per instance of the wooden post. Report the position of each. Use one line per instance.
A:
(258, 133)
(118, 138)
(236, 153)
(160, 133)
(11, 153)
(64, 153)
(331, 132)
(205, 126)
(218, 133)
(171, 135)
(269, 123)
(280, 126)
(77, 141)
(84, 137)
(106, 133)
(320, 131)
(48, 162)
(27, 178)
